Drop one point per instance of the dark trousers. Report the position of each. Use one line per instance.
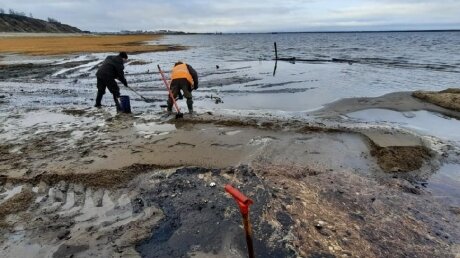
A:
(110, 84)
(176, 86)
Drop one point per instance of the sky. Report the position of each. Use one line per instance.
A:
(245, 15)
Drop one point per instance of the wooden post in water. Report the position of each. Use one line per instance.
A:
(276, 60)
(276, 53)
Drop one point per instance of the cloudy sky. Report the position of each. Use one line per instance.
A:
(245, 15)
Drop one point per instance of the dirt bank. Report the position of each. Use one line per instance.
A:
(400, 158)
(449, 98)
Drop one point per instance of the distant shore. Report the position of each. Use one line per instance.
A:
(60, 44)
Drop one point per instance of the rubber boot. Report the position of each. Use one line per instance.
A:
(99, 99)
(190, 105)
(117, 103)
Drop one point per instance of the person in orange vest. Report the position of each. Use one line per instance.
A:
(185, 78)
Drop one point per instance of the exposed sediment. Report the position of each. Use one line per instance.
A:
(449, 98)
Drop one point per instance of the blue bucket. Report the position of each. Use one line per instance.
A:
(125, 105)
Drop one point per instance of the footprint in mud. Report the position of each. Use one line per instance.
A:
(166, 213)
(67, 215)
(184, 144)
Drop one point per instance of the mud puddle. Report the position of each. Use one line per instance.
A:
(445, 184)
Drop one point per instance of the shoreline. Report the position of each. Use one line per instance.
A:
(76, 180)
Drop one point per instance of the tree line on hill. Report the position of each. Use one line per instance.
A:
(23, 14)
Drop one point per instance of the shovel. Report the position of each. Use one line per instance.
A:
(178, 113)
(144, 98)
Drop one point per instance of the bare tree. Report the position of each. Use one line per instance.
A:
(2, 11)
(30, 15)
(52, 20)
(11, 11)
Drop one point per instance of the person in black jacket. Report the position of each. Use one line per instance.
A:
(111, 69)
(185, 78)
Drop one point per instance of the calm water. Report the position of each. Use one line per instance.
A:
(384, 63)
(239, 68)
(424, 50)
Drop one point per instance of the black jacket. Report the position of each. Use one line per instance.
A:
(112, 68)
(194, 76)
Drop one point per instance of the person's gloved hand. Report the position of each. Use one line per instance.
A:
(180, 96)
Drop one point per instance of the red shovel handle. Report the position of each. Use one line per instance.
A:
(240, 198)
(169, 89)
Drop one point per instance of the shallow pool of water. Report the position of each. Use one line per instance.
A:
(445, 184)
(423, 122)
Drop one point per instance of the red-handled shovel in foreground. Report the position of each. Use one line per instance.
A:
(243, 202)
(178, 114)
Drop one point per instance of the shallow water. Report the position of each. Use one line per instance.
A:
(422, 122)
(239, 70)
(445, 184)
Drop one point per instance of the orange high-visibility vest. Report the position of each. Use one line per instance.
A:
(181, 71)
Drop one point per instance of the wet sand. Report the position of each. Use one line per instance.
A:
(319, 190)
(86, 182)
